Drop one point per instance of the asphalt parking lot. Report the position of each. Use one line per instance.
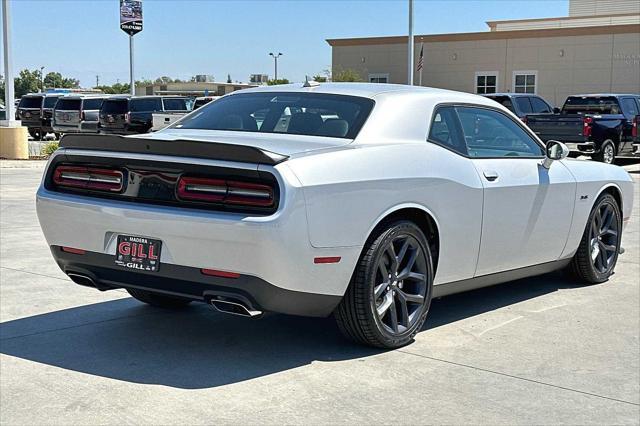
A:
(535, 351)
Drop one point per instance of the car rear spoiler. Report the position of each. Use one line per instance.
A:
(178, 148)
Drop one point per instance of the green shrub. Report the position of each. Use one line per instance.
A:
(49, 148)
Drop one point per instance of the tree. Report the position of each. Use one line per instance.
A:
(347, 75)
(319, 79)
(278, 81)
(114, 89)
(56, 80)
(163, 80)
(229, 78)
(26, 82)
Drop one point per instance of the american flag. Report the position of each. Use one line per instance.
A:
(421, 58)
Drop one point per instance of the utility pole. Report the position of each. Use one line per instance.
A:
(97, 81)
(132, 82)
(410, 47)
(8, 70)
(275, 59)
(42, 79)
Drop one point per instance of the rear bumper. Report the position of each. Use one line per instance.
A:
(274, 249)
(583, 147)
(190, 283)
(73, 128)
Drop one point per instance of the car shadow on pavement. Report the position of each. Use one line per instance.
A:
(198, 348)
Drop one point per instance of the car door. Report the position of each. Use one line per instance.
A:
(629, 109)
(527, 210)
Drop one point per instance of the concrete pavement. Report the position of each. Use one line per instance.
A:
(535, 351)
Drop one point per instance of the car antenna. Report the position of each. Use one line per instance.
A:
(311, 83)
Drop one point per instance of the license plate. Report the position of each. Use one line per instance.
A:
(139, 253)
(110, 119)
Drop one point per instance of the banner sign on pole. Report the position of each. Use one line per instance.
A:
(131, 16)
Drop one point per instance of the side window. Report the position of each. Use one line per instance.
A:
(523, 104)
(444, 130)
(629, 107)
(491, 134)
(539, 106)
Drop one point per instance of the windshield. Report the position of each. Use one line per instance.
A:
(175, 104)
(591, 105)
(312, 114)
(114, 106)
(50, 101)
(68, 104)
(504, 100)
(92, 103)
(30, 102)
(145, 105)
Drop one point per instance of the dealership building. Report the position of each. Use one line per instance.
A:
(595, 49)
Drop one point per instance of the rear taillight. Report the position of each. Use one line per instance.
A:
(81, 115)
(127, 117)
(586, 126)
(225, 191)
(91, 178)
(634, 127)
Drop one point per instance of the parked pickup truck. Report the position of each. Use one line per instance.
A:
(596, 125)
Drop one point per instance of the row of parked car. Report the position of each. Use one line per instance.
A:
(57, 113)
(603, 126)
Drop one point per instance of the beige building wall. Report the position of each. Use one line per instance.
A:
(602, 7)
(563, 65)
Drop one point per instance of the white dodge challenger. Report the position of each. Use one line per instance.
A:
(359, 200)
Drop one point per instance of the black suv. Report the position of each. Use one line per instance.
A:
(35, 110)
(126, 115)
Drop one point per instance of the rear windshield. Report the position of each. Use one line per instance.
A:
(504, 100)
(145, 105)
(50, 101)
(172, 104)
(30, 102)
(92, 103)
(312, 114)
(119, 106)
(591, 105)
(200, 102)
(68, 104)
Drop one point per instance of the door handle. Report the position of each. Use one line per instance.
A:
(490, 175)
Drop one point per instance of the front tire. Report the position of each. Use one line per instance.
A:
(389, 295)
(158, 300)
(597, 254)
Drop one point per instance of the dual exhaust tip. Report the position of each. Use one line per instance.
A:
(224, 304)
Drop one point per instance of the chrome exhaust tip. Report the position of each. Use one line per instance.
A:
(81, 279)
(234, 307)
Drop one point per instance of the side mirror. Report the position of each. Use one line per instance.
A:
(554, 150)
(556, 110)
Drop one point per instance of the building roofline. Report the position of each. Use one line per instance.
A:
(492, 24)
(490, 35)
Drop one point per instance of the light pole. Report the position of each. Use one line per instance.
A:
(410, 45)
(275, 59)
(42, 79)
(8, 66)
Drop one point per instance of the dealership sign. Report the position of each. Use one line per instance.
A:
(131, 16)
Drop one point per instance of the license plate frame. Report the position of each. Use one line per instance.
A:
(138, 253)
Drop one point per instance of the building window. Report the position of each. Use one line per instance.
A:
(486, 82)
(379, 78)
(525, 81)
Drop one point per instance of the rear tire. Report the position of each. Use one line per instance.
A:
(597, 253)
(36, 134)
(158, 300)
(607, 152)
(389, 295)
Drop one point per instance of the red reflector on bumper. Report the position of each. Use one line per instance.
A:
(334, 259)
(72, 250)
(221, 274)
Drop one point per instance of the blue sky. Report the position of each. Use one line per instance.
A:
(182, 38)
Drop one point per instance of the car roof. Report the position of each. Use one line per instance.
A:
(600, 95)
(366, 90)
(509, 94)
